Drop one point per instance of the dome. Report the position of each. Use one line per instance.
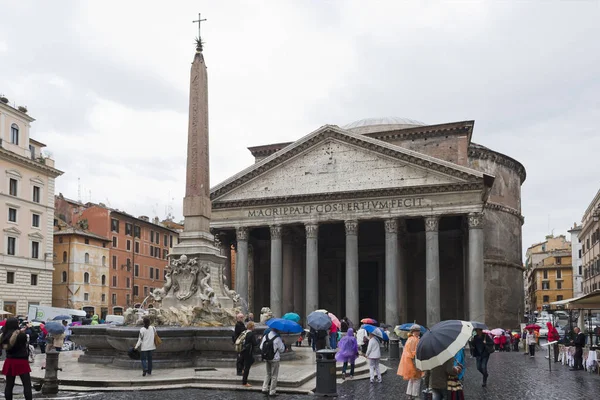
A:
(371, 125)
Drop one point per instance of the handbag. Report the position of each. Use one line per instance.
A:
(157, 339)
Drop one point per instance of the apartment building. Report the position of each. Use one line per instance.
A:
(590, 246)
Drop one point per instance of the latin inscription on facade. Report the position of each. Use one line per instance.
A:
(338, 207)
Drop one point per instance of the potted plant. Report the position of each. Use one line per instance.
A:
(3, 99)
(23, 109)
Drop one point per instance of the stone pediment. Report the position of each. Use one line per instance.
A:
(36, 235)
(12, 230)
(332, 160)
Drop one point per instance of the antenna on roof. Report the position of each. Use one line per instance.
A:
(79, 189)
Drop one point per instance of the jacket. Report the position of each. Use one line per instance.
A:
(373, 349)
(146, 339)
(58, 340)
(531, 339)
(579, 340)
(481, 345)
(437, 378)
(239, 328)
(552, 333)
(15, 345)
(277, 344)
(249, 344)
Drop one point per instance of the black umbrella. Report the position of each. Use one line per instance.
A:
(133, 353)
(442, 343)
(318, 320)
(479, 325)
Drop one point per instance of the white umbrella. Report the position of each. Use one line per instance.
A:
(5, 313)
(442, 343)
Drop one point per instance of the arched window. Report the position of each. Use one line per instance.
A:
(64, 276)
(104, 261)
(103, 280)
(86, 278)
(14, 134)
(87, 258)
(64, 256)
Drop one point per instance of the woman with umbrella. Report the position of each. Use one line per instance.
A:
(14, 341)
(347, 353)
(406, 368)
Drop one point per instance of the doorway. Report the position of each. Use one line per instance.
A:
(368, 290)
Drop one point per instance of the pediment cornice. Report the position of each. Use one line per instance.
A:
(36, 235)
(12, 230)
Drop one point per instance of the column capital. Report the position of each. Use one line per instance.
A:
(391, 225)
(432, 224)
(351, 227)
(475, 220)
(312, 231)
(275, 231)
(241, 233)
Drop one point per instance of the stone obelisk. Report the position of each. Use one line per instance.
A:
(196, 242)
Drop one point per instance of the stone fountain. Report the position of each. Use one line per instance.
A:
(197, 310)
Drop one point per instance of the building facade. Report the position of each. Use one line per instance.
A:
(81, 271)
(138, 250)
(590, 245)
(577, 260)
(386, 218)
(551, 279)
(27, 213)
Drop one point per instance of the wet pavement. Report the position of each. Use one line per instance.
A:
(512, 376)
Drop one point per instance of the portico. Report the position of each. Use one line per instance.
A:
(356, 226)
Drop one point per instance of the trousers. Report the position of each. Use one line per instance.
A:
(374, 369)
(270, 382)
(10, 384)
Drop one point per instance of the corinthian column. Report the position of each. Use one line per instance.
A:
(241, 266)
(352, 270)
(391, 271)
(432, 270)
(276, 271)
(475, 271)
(312, 267)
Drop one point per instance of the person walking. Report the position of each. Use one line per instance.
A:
(579, 343)
(344, 325)
(239, 328)
(437, 379)
(347, 353)
(407, 369)
(553, 336)
(531, 342)
(483, 346)
(247, 353)
(333, 336)
(14, 341)
(146, 345)
(373, 354)
(271, 347)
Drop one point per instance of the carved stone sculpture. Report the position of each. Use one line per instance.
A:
(265, 314)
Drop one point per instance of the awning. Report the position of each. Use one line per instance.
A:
(590, 301)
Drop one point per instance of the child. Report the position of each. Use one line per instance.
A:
(348, 352)
(373, 354)
(300, 338)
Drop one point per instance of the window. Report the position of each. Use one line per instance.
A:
(587, 241)
(165, 253)
(12, 214)
(128, 229)
(137, 232)
(129, 264)
(165, 274)
(35, 249)
(36, 194)
(103, 297)
(104, 261)
(34, 279)
(32, 151)
(165, 240)
(60, 239)
(86, 277)
(136, 270)
(545, 285)
(103, 280)
(170, 240)
(35, 220)
(11, 246)
(64, 256)
(152, 236)
(137, 247)
(114, 299)
(114, 241)
(128, 244)
(558, 260)
(64, 276)
(86, 297)
(151, 273)
(145, 291)
(559, 284)
(114, 225)
(157, 273)
(14, 134)
(545, 274)
(128, 283)
(559, 297)
(157, 237)
(558, 274)
(10, 277)
(87, 258)
(580, 270)
(114, 262)
(128, 299)
(114, 283)
(579, 253)
(136, 291)
(87, 241)
(151, 251)
(546, 299)
(12, 188)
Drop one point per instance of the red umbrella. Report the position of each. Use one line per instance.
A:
(370, 321)
(3, 322)
(533, 326)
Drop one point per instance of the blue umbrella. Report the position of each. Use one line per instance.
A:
(380, 333)
(61, 317)
(292, 317)
(406, 327)
(319, 321)
(284, 325)
(55, 327)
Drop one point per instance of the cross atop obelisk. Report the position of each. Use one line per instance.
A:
(199, 39)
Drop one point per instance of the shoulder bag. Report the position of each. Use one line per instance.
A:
(157, 339)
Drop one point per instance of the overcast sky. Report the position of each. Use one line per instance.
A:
(108, 84)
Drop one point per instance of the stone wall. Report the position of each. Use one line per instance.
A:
(22, 292)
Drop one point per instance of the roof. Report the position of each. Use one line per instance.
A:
(80, 232)
(36, 142)
(370, 125)
(113, 211)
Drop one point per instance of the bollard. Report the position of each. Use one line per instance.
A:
(394, 349)
(326, 373)
(50, 383)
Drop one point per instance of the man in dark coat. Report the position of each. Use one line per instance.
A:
(482, 346)
(579, 342)
(239, 328)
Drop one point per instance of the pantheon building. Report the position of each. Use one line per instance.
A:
(387, 218)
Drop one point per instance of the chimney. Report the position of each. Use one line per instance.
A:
(144, 218)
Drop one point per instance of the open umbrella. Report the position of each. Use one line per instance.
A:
(402, 330)
(61, 317)
(318, 320)
(291, 316)
(376, 331)
(478, 325)
(442, 343)
(322, 310)
(5, 312)
(533, 326)
(55, 327)
(369, 321)
(498, 332)
(334, 320)
(284, 325)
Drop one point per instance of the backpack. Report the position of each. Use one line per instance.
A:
(268, 349)
(239, 342)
